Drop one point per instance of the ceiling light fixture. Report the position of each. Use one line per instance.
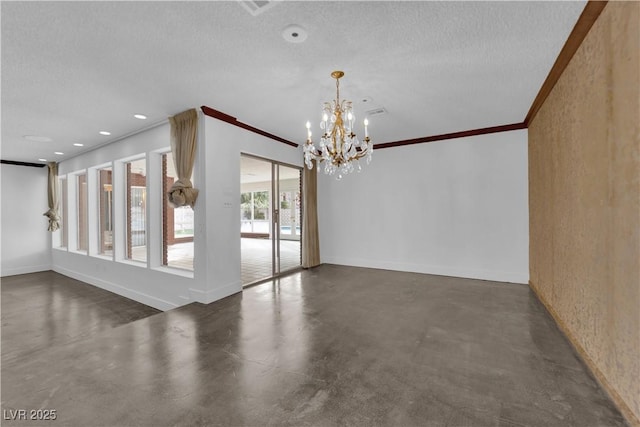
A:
(104, 132)
(59, 153)
(42, 160)
(339, 148)
(77, 144)
(140, 116)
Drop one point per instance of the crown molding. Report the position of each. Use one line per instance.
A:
(233, 121)
(442, 137)
(13, 162)
(586, 20)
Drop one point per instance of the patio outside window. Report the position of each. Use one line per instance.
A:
(254, 212)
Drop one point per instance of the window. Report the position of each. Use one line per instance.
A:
(81, 203)
(62, 211)
(177, 223)
(254, 212)
(136, 192)
(290, 214)
(105, 211)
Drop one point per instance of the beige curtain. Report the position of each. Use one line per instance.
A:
(52, 213)
(184, 131)
(310, 238)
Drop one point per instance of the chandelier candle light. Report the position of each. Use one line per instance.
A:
(340, 148)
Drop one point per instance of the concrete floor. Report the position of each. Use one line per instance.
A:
(329, 346)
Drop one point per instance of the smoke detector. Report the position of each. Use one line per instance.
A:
(294, 34)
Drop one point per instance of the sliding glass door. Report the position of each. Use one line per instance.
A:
(270, 218)
(289, 217)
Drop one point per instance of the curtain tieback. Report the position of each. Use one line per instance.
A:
(52, 214)
(182, 193)
(54, 219)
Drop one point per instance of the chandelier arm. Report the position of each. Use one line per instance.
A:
(318, 158)
(315, 153)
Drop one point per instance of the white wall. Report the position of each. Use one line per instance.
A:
(217, 217)
(455, 207)
(151, 284)
(224, 144)
(25, 239)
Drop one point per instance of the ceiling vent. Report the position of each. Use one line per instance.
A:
(256, 7)
(376, 112)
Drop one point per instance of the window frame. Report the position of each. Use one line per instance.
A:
(166, 213)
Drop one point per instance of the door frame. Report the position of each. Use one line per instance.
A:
(275, 217)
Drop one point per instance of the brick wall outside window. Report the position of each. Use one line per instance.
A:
(105, 193)
(82, 212)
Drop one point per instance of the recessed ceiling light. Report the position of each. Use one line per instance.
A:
(104, 132)
(294, 34)
(37, 138)
(42, 160)
(59, 153)
(77, 144)
(140, 116)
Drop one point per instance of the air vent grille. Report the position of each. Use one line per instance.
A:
(376, 112)
(256, 7)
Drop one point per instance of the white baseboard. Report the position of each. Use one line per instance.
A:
(207, 297)
(497, 276)
(24, 270)
(149, 300)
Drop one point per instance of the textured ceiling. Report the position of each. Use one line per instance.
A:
(72, 69)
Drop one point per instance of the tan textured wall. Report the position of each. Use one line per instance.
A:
(584, 193)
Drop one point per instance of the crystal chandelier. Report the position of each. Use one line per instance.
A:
(340, 149)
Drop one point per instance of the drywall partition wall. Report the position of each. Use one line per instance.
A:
(217, 217)
(224, 144)
(455, 208)
(25, 240)
(153, 285)
(584, 163)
